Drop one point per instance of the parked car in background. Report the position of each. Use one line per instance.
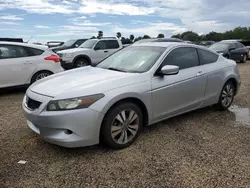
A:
(135, 87)
(91, 52)
(247, 44)
(11, 39)
(52, 44)
(22, 63)
(74, 43)
(159, 40)
(206, 43)
(232, 50)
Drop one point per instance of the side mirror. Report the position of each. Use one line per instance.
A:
(230, 49)
(97, 48)
(169, 70)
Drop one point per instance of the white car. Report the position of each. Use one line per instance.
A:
(91, 52)
(23, 64)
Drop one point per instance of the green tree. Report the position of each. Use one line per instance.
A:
(93, 37)
(137, 39)
(131, 37)
(118, 35)
(161, 36)
(146, 37)
(190, 36)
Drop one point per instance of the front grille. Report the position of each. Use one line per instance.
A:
(32, 104)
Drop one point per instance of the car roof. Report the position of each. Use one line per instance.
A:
(165, 44)
(42, 47)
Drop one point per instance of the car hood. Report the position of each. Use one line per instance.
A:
(220, 51)
(73, 50)
(84, 81)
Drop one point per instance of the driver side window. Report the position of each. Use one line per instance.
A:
(184, 57)
(101, 45)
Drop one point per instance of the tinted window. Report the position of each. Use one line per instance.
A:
(33, 51)
(112, 44)
(184, 57)
(239, 45)
(10, 51)
(79, 42)
(207, 57)
(101, 45)
(232, 45)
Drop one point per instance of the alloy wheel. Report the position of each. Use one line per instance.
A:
(42, 75)
(125, 126)
(81, 63)
(227, 95)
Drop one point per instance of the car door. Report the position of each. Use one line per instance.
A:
(175, 94)
(112, 46)
(213, 69)
(241, 51)
(234, 54)
(15, 67)
(100, 51)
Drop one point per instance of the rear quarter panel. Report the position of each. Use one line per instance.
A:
(218, 74)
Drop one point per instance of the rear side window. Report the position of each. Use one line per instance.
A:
(207, 57)
(184, 57)
(33, 51)
(112, 44)
(12, 51)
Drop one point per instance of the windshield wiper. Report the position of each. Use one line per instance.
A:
(115, 69)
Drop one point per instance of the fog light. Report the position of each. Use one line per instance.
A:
(68, 132)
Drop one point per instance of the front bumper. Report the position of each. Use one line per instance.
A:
(72, 128)
(67, 64)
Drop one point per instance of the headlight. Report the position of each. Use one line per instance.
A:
(74, 103)
(69, 55)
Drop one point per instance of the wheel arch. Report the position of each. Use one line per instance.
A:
(82, 56)
(38, 71)
(133, 99)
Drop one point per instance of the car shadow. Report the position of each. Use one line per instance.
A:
(13, 90)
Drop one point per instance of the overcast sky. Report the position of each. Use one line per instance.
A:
(67, 19)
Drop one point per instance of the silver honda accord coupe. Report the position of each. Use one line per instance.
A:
(135, 87)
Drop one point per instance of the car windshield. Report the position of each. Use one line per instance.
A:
(133, 59)
(219, 46)
(88, 43)
(69, 42)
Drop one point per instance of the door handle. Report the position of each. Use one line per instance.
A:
(200, 73)
(106, 51)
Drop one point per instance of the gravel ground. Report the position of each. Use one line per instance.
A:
(205, 148)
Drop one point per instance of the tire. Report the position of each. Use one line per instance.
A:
(81, 62)
(226, 96)
(117, 133)
(244, 59)
(40, 75)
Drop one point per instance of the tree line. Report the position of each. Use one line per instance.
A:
(237, 33)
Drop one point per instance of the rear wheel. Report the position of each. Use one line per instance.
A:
(122, 125)
(226, 97)
(40, 75)
(244, 59)
(81, 62)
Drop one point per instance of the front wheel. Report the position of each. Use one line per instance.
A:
(81, 62)
(226, 97)
(244, 59)
(122, 125)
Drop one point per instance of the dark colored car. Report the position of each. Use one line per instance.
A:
(74, 43)
(247, 44)
(11, 39)
(159, 40)
(232, 50)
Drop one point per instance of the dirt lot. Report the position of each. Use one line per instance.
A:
(205, 148)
